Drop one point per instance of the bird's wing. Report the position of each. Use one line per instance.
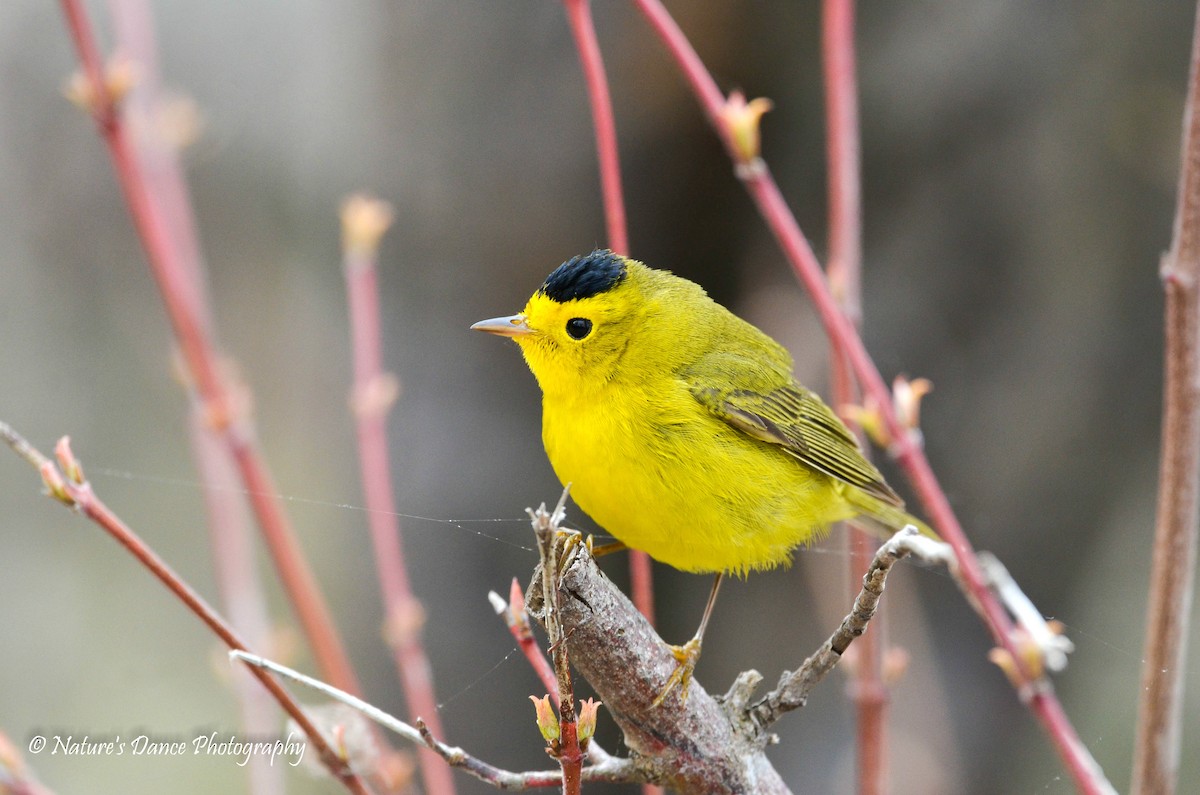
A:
(795, 419)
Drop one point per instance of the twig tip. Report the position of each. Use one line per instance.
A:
(365, 219)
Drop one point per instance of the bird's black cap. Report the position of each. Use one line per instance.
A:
(584, 276)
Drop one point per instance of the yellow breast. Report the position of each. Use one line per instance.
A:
(662, 474)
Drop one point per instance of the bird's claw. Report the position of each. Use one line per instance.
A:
(686, 656)
(571, 541)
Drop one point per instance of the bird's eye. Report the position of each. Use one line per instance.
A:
(579, 327)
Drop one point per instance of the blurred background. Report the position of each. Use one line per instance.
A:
(1019, 169)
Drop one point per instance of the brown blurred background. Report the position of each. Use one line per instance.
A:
(1020, 163)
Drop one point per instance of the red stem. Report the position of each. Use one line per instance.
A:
(1037, 692)
(403, 611)
(294, 571)
(91, 507)
(518, 625)
(844, 156)
(1172, 574)
(175, 287)
(133, 28)
(579, 15)
(78, 494)
(539, 663)
(537, 660)
(238, 583)
(570, 755)
(641, 583)
(867, 688)
(234, 564)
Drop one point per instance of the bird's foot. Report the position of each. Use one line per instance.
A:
(570, 542)
(687, 656)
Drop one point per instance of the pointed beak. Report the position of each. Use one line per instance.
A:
(511, 326)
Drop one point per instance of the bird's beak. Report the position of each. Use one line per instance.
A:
(511, 326)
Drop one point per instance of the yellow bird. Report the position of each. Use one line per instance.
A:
(681, 428)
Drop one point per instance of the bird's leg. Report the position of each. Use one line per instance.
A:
(689, 653)
(607, 549)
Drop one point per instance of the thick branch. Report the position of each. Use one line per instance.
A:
(689, 746)
(1156, 757)
(697, 745)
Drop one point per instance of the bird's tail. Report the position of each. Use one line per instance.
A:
(881, 518)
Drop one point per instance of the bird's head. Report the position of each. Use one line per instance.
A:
(587, 324)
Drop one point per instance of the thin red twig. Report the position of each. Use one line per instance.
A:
(239, 585)
(867, 689)
(641, 583)
(70, 488)
(234, 557)
(15, 775)
(373, 395)
(518, 624)
(579, 15)
(1035, 690)
(158, 144)
(1164, 663)
(844, 156)
(175, 287)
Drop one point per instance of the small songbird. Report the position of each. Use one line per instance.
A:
(681, 428)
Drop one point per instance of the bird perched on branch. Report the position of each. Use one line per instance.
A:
(681, 428)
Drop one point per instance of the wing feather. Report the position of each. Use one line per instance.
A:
(780, 411)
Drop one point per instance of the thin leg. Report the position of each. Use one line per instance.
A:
(708, 608)
(689, 653)
(608, 549)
